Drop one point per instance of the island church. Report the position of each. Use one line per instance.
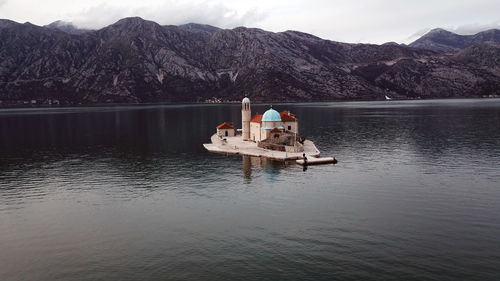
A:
(272, 135)
(260, 127)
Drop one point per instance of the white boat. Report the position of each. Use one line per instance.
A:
(388, 98)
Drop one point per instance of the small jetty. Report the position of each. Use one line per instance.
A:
(316, 161)
(274, 135)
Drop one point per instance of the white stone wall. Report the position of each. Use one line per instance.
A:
(298, 148)
(264, 134)
(246, 130)
(271, 124)
(255, 131)
(291, 126)
(222, 133)
(246, 115)
(259, 134)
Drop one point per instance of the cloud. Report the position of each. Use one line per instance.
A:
(475, 28)
(466, 29)
(171, 12)
(418, 34)
(341, 20)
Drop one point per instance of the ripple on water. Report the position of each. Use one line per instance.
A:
(114, 196)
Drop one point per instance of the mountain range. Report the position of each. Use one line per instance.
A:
(440, 40)
(140, 61)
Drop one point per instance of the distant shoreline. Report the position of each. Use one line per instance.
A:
(46, 106)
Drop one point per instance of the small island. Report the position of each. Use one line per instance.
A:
(273, 135)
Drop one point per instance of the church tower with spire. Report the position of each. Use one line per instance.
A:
(246, 114)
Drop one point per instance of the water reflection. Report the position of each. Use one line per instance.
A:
(247, 168)
(132, 188)
(272, 169)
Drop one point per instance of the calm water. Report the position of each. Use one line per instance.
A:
(128, 193)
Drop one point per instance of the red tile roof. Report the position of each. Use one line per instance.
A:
(286, 116)
(226, 125)
(256, 118)
(275, 130)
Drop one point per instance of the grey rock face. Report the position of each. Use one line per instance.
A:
(135, 60)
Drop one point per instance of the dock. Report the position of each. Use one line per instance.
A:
(316, 161)
(236, 145)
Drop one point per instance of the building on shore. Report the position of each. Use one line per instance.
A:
(272, 130)
(272, 135)
(225, 129)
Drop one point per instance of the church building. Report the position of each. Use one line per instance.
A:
(263, 126)
(270, 125)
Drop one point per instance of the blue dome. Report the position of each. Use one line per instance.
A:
(246, 100)
(271, 116)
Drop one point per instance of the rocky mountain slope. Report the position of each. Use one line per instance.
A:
(135, 60)
(440, 40)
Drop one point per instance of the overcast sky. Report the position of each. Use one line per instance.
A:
(370, 21)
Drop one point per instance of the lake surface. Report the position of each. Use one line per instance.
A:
(129, 193)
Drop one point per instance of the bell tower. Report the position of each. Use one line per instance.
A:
(246, 113)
